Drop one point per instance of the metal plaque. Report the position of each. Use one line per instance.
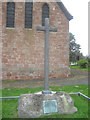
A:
(49, 106)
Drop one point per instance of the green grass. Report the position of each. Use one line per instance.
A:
(9, 106)
(78, 67)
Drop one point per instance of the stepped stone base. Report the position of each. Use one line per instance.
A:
(32, 105)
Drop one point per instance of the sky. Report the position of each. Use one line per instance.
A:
(78, 26)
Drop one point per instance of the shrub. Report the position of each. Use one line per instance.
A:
(83, 63)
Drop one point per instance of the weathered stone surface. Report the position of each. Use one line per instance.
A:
(31, 105)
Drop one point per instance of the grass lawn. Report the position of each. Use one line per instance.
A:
(78, 67)
(9, 106)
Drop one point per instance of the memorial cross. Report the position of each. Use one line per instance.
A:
(46, 29)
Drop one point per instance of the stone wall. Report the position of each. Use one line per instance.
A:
(23, 49)
(0, 42)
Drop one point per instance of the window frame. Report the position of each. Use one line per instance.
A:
(28, 24)
(10, 15)
(45, 13)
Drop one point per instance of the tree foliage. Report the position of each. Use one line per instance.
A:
(74, 49)
(83, 63)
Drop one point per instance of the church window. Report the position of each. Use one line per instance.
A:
(10, 14)
(28, 14)
(45, 13)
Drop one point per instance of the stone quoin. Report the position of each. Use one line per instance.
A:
(23, 47)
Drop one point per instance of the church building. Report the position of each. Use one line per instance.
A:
(23, 45)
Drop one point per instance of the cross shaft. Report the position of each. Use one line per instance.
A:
(46, 29)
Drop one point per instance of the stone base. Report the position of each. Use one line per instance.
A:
(31, 105)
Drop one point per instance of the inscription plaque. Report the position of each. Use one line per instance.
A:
(49, 106)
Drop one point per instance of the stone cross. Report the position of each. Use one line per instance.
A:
(46, 29)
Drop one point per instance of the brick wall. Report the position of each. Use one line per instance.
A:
(23, 49)
(0, 42)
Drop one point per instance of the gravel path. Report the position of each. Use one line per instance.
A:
(77, 77)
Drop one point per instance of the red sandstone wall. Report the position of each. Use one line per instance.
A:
(0, 42)
(23, 49)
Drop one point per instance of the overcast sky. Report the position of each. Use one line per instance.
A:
(79, 25)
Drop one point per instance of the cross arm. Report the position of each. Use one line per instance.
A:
(53, 29)
(39, 28)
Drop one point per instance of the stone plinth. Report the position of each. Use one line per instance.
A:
(31, 105)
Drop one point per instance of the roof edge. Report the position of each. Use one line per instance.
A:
(63, 8)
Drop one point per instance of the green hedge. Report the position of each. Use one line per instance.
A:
(83, 63)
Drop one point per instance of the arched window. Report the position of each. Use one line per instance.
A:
(45, 13)
(28, 14)
(10, 14)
